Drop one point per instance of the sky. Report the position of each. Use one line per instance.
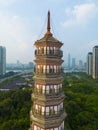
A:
(22, 22)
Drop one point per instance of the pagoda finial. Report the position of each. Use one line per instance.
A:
(48, 23)
(48, 33)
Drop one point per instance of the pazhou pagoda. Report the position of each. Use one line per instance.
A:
(47, 112)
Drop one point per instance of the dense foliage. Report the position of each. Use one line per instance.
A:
(81, 105)
(14, 109)
(81, 102)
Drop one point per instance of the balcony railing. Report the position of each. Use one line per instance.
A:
(48, 71)
(51, 53)
(50, 92)
(50, 114)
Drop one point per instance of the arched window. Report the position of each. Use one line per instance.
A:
(51, 69)
(51, 89)
(47, 50)
(61, 105)
(47, 68)
(55, 109)
(54, 68)
(47, 110)
(47, 89)
(36, 108)
(58, 107)
(44, 50)
(44, 69)
(35, 127)
(51, 110)
(37, 88)
(39, 109)
(54, 50)
(55, 88)
(43, 110)
(43, 89)
(51, 50)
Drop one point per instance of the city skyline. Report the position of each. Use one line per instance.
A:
(73, 22)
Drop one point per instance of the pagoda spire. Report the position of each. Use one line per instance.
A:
(48, 23)
(48, 33)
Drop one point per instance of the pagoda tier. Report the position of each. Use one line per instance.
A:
(47, 112)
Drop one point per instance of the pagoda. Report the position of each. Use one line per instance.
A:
(47, 112)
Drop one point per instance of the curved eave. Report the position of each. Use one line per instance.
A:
(49, 122)
(48, 40)
(47, 60)
(50, 79)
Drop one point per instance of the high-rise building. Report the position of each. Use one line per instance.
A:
(48, 112)
(2, 60)
(73, 63)
(95, 62)
(69, 65)
(80, 66)
(89, 66)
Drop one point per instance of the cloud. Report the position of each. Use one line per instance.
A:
(16, 35)
(6, 2)
(90, 45)
(80, 14)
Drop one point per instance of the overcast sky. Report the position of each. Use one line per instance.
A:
(73, 22)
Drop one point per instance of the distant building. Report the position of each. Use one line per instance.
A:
(73, 63)
(80, 66)
(18, 62)
(89, 66)
(31, 65)
(95, 62)
(69, 65)
(85, 64)
(2, 60)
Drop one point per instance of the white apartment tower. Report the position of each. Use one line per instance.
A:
(2, 60)
(95, 62)
(89, 63)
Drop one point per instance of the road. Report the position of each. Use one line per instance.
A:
(21, 73)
